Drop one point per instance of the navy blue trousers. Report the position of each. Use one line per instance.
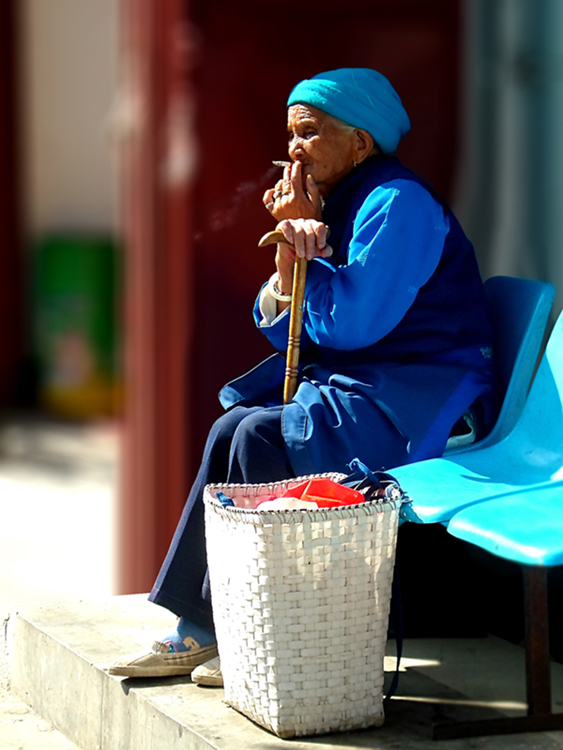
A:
(244, 445)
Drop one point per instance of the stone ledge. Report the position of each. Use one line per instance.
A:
(58, 653)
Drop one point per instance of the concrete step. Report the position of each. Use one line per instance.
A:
(57, 654)
(20, 727)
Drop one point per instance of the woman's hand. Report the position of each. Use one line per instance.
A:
(308, 237)
(294, 197)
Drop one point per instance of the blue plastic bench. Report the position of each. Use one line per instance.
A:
(507, 498)
(444, 486)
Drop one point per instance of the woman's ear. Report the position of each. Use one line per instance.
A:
(364, 145)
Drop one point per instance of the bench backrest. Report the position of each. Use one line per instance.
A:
(539, 431)
(518, 309)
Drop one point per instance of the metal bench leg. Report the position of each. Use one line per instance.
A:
(538, 674)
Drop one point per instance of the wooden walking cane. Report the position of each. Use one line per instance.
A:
(296, 316)
(295, 325)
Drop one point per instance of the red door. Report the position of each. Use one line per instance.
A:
(252, 54)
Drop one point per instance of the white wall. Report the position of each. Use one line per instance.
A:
(511, 189)
(69, 73)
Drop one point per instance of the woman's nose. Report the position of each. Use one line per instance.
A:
(294, 147)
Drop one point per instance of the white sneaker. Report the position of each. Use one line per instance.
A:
(208, 674)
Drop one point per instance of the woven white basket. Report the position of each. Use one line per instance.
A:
(301, 606)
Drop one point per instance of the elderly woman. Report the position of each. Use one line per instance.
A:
(396, 345)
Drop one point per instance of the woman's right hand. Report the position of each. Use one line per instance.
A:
(308, 237)
(294, 197)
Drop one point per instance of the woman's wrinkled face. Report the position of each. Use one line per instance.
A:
(326, 150)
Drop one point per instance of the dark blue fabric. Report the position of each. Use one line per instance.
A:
(244, 445)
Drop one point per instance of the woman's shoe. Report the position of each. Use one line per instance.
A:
(208, 674)
(160, 661)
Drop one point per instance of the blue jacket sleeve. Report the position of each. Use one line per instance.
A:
(397, 243)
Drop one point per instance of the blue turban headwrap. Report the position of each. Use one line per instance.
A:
(360, 97)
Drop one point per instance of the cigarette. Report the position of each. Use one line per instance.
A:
(281, 163)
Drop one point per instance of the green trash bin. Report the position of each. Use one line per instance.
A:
(75, 325)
